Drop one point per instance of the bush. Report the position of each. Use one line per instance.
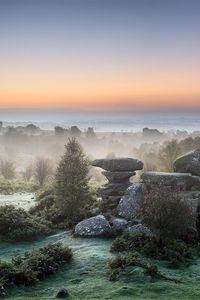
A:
(175, 252)
(7, 169)
(8, 187)
(121, 262)
(165, 212)
(35, 265)
(17, 224)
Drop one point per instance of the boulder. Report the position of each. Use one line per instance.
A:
(188, 163)
(129, 203)
(118, 164)
(181, 180)
(62, 293)
(118, 176)
(139, 228)
(118, 224)
(94, 226)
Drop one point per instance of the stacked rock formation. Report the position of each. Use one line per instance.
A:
(118, 172)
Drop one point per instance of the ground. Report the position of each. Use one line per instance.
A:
(87, 275)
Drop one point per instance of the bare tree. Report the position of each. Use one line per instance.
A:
(42, 169)
(28, 173)
(7, 169)
(168, 153)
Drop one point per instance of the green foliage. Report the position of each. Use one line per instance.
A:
(175, 252)
(35, 265)
(122, 261)
(17, 224)
(8, 187)
(72, 191)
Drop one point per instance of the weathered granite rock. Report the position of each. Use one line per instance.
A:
(118, 176)
(118, 224)
(138, 228)
(167, 179)
(129, 203)
(118, 172)
(94, 226)
(118, 164)
(188, 163)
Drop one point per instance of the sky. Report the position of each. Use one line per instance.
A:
(99, 54)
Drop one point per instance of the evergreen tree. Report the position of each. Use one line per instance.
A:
(72, 189)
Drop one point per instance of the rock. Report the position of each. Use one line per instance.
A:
(62, 293)
(118, 176)
(181, 180)
(118, 164)
(3, 292)
(188, 163)
(129, 203)
(118, 224)
(95, 211)
(139, 228)
(94, 226)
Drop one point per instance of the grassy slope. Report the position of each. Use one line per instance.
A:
(86, 277)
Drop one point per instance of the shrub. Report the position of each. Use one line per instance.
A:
(35, 265)
(121, 262)
(165, 212)
(175, 252)
(7, 169)
(17, 224)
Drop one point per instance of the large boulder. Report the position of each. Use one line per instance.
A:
(188, 163)
(92, 227)
(128, 205)
(118, 164)
(181, 180)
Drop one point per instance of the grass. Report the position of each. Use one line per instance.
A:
(87, 278)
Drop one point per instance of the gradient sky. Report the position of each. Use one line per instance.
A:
(99, 54)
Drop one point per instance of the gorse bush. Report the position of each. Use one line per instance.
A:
(33, 266)
(175, 252)
(17, 224)
(131, 259)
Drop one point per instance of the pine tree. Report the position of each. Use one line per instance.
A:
(72, 189)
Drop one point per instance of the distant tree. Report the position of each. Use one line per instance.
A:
(1, 125)
(165, 212)
(7, 169)
(59, 130)
(168, 153)
(32, 129)
(72, 189)
(75, 131)
(90, 132)
(42, 170)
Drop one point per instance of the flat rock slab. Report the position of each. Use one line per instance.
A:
(118, 164)
(188, 163)
(93, 227)
(167, 179)
(118, 176)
